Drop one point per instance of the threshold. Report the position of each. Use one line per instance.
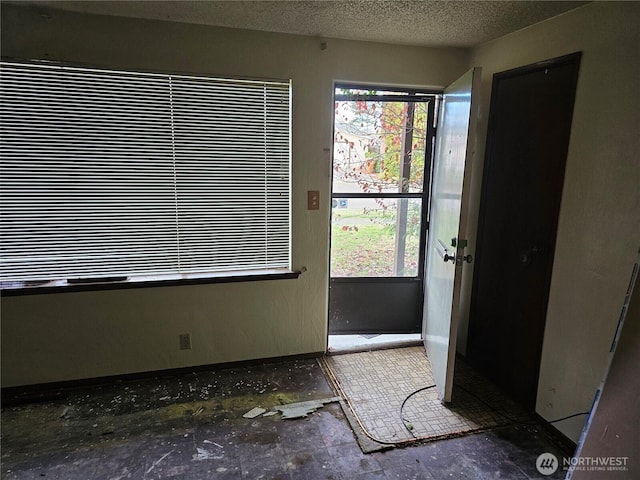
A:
(362, 342)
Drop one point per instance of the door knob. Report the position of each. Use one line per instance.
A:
(463, 258)
(530, 254)
(459, 260)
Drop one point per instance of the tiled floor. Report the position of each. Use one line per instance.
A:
(376, 383)
(191, 427)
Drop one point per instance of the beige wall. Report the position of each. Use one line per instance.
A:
(58, 337)
(599, 226)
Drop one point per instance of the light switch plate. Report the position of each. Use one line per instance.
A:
(313, 200)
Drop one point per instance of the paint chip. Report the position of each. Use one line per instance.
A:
(203, 455)
(302, 409)
(213, 443)
(254, 412)
(198, 411)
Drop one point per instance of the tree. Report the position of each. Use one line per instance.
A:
(380, 148)
(384, 126)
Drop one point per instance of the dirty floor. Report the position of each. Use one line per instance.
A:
(392, 393)
(192, 427)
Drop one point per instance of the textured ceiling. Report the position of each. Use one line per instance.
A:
(426, 23)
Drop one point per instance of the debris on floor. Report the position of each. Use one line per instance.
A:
(198, 411)
(254, 412)
(213, 443)
(153, 465)
(171, 432)
(204, 455)
(291, 410)
(302, 409)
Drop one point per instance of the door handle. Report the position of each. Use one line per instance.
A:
(448, 257)
(444, 254)
(442, 251)
(455, 259)
(459, 260)
(528, 255)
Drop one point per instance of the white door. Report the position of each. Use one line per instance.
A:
(445, 254)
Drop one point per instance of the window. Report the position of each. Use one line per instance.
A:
(109, 174)
(381, 167)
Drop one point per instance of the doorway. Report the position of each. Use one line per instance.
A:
(397, 299)
(527, 142)
(383, 143)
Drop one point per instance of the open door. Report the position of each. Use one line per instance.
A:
(445, 256)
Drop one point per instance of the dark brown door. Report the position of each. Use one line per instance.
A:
(527, 142)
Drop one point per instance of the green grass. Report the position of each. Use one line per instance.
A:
(367, 250)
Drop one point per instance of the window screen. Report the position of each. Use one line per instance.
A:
(110, 173)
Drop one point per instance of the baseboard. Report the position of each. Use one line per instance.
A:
(45, 392)
(565, 443)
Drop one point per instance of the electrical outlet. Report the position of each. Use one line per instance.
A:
(185, 341)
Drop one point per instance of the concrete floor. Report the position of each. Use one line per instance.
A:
(191, 427)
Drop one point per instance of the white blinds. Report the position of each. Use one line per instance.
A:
(110, 173)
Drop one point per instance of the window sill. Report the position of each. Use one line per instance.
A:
(146, 281)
